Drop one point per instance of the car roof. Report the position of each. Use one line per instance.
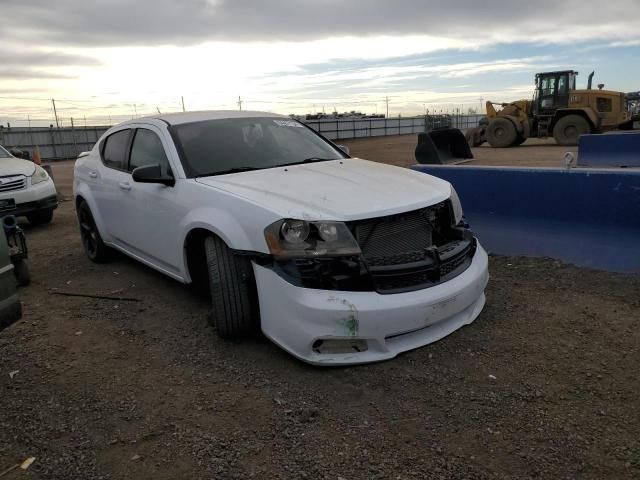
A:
(189, 117)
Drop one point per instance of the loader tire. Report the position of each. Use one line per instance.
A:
(474, 136)
(234, 300)
(568, 129)
(519, 140)
(501, 133)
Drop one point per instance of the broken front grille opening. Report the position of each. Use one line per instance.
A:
(413, 250)
(337, 346)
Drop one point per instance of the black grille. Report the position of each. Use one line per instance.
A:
(412, 250)
(400, 238)
(438, 269)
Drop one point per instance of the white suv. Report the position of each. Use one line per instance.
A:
(337, 260)
(26, 190)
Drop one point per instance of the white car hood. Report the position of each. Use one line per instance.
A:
(348, 189)
(16, 166)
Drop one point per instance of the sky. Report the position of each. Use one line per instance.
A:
(106, 61)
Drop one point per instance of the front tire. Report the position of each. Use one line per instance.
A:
(501, 133)
(41, 217)
(568, 129)
(234, 306)
(94, 247)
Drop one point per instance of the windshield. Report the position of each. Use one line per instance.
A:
(4, 153)
(215, 147)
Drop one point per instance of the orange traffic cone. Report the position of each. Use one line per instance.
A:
(36, 156)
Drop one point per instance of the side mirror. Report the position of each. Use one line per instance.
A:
(152, 174)
(344, 148)
(24, 155)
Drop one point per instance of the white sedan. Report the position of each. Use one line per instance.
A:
(337, 260)
(26, 190)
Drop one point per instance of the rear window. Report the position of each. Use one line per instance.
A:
(114, 149)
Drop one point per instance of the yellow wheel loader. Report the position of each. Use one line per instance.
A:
(557, 109)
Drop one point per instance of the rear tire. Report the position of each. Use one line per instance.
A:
(568, 129)
(234, 306)
(94, 247)
(41, 217)
(501, 133)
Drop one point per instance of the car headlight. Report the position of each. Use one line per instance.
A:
(289, 238)
(40, 175)
(457, 206)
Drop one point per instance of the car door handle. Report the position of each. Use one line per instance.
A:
(93, 174)
(125, 185)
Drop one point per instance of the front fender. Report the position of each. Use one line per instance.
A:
(247, 236)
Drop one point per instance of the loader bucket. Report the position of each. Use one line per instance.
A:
(619, 149)
(443, 146)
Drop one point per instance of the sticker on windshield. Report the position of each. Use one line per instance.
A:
(287, 123)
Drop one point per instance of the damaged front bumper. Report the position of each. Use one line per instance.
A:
(325, 327)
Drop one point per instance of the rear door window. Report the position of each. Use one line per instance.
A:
(114, 150)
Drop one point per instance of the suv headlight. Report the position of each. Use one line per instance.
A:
(40, 175)
(289, 238)
(457, 206)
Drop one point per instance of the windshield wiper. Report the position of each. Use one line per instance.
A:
(230, 170)
(308, 160)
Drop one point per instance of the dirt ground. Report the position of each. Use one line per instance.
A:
(399, 150)
(544, 384)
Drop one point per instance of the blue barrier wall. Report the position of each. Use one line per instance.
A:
(620, 149)
(588, 217)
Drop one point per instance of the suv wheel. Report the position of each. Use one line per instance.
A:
(40, 218)
(21, 271)
(93, 245)
(234, 305)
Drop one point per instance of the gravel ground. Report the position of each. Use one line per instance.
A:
(543, 385)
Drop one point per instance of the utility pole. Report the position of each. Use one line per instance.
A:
(55, 112)
(73, 134)
(481, 99)
(182, 98)
(386, 100)
(239, 102)
(135, 110)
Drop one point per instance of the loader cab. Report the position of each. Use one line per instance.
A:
(552, 91)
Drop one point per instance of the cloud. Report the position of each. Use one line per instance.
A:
(152, 22)
(36, 58)
(381, 76)
(30, 74)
